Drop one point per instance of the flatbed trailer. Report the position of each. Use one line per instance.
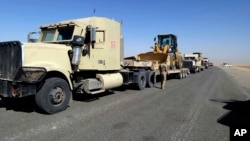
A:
(143, 73)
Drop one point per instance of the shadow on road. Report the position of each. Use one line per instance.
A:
(238, 114)
(89, 98)
(26, 104)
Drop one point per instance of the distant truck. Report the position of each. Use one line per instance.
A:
(200, 60)
(205, 62)
(193, 62)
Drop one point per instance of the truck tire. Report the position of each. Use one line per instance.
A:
(150, 79)
(141, 80)
(172, 56)
(180, 75)
(179, 62)
(54, 96)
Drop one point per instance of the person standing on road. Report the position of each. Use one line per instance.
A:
(163, 73)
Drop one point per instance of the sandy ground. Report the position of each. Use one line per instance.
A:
(244, 68)
(241, 74)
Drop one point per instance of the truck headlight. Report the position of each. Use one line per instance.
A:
(30, 74)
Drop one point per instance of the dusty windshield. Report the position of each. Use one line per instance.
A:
(48, 35)
(189, 58)
(63, 33)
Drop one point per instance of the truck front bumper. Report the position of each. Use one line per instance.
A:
(10, 89)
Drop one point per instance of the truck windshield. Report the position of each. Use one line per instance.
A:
(65, 33)
(189, 58)
(48, 35)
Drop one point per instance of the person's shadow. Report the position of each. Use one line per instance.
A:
(238, 114)
(237, 118)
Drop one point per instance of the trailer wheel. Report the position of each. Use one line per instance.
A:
(141, 80)
(185, 74)
(150, 79)
(180, 75)
(54, 96)
(194, 70)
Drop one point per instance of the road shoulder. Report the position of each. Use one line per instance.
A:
(240, 75)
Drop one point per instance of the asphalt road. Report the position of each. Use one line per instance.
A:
(203, 106)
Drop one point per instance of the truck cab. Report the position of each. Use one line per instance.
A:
(76, 55)
(193, 62)
(205, 62)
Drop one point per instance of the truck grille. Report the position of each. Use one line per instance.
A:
(10, 59)
(187, 64)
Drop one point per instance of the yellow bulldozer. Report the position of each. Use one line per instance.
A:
(164, 51)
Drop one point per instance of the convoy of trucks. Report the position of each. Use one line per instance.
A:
(195, 62)
(83, 56)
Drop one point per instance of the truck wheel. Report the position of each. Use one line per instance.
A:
(172, 64)
(196, 69)
(54, 96)
(180, 75)
(141, 80)
(179, 62)
(150, 79)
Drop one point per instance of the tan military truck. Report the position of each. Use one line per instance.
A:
(82, 55)
(205, 62)
(193, 62)
(202, 67)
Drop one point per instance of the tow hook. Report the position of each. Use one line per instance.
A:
(14, 91)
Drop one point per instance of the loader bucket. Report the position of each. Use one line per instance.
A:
(152, 56)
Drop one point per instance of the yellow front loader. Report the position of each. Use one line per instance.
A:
(165, 51)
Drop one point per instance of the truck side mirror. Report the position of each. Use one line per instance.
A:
(92, 34)
(33, 37)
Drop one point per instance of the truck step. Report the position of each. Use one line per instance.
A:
(96, 92)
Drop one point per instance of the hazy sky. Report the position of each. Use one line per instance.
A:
(218, 28)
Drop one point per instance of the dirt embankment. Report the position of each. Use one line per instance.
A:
(244, 68)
